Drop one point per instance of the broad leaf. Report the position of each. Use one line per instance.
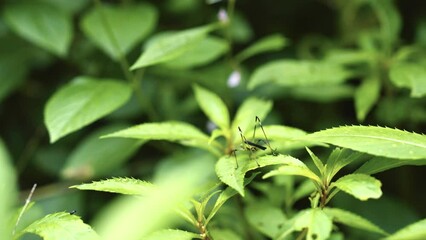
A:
(213, 107)
(171, 47)
(410, 75)
(228, 173)
(95, 157)
(119, 185)
(338, 159)
(316, 221)
(366, 96)
(352, 220)
(266, 218)
(361, 186)
(286, 138)
(227, 234)
(42, 24)
(82, 102)
(390, 21)
(117, 29)
(415, 231)
(298, 73)
(61, 225)
(270, 43)
(380, 164)
(378, 141)
(174, 234)
(293, 166)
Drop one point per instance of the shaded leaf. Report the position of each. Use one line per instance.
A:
(227, 234)
(366, 96)
(270, 43)
(42, 24)
(318, 163)
(412, 76)
(119, 185)
(415, 231)
(360, 186)
(378, 141)
(293, 166)
(298, 73)
(266, 218)
(318, 223)
(82, 102)
(380, 164)
(174, 234)
(117, 29)
(338, 159)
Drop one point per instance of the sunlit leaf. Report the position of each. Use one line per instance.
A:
(293, 166)
(119, 185)
(338, 159)
(298, 73)
(117, 29)
(316, 221)
(366, 96)
(361, 186)
(410, 75)
(174, 234)
(380, 164)
(318, 163)
(42, 24)
(82, 102)
(378, 141)
(415, 231)
(270, 43)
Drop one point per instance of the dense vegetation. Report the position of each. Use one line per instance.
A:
(189, 119)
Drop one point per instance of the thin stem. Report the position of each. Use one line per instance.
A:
(27, 202)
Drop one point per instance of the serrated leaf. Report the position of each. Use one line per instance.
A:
(81, 102)
(171, 47)
(292, 73)
(379, 141)
(117, 29)
(352, 220)
(409, 75)
(202, 53)
(318, 223)
(318, 163)
(94, 157)
(213, 106)
(266, 218)
(8, 192)
(61, 225)
(361, 186)
(380, 164)
(174, 234)
(366, 96)
(415, 231)
(129, 186)
(270, 43)
(228, 173)
(286, 138)
(42, 24)
(293, 166)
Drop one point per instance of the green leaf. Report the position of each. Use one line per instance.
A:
(415, 231)
(318, 163)
(360, 186)
(213, 106)
(292, 73)
(42, 24)
(349, 56)
(409, 75)
(8, 192)
(172, 46)
(61, 225)
(379, 141)
(266, 218)
(380, 164)
(228, 173)
(270, 43)
(227, 234)
(202, 53)
(366, 96)
(174, 234)
(352, 220)
(294, 166)
(318, 223)
(303, 190)
(82, 102)
(117, 29)
(129, 186)
(390, 21)
(95, 157)
(338, 159)
(286, 138)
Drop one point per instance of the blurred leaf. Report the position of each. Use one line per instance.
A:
(12, 72)
(303, 190)
(82, 102)
(228, 173)
(349, 57)
(117, 29)
(352, 220)
(227, 234)
(241, 31)
(129, 186)
(286, 138)
(8, 193)
(270, 43)
(415, 231)
(380, 164)
(294, 168)
(329, 92)
(94, 157)
(378, 141)
(203, 52)
(390, 21)
(412, 76)
(172, 46)
(360, 186)
(266, 218)
(318, 223)
(298, 73)
(174, 234)
(42, 24)
(366, 96)
(61, 225)
(68, 6)
(213, 106)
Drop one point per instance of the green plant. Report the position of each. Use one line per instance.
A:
(219, 185)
